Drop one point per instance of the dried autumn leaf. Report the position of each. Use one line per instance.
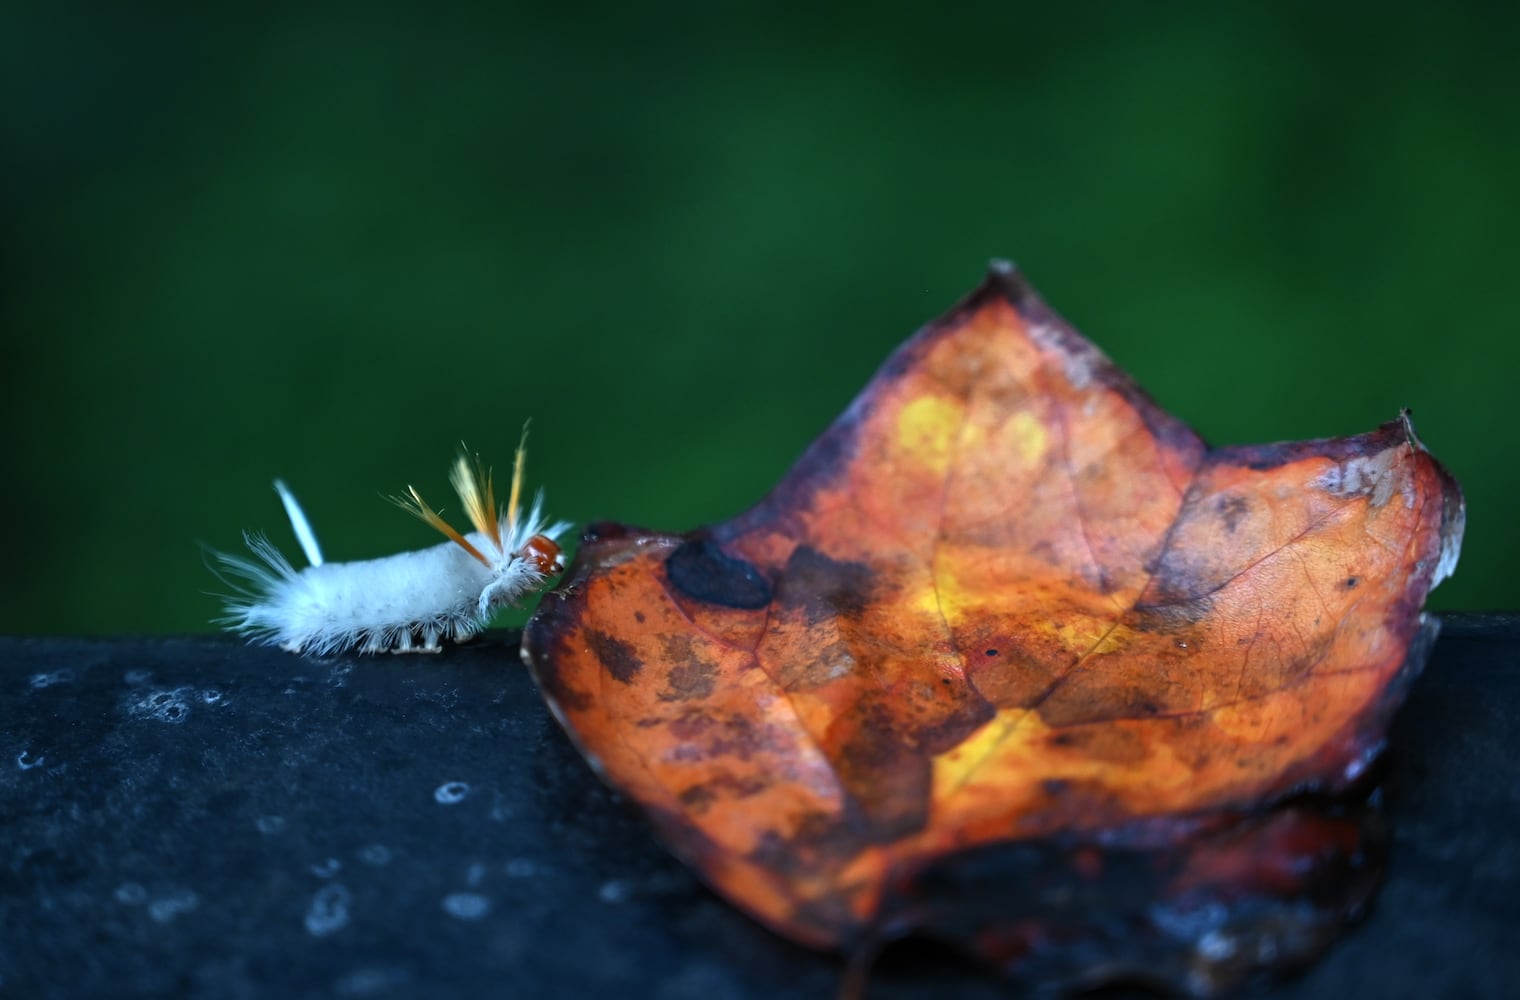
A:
(1011, 657)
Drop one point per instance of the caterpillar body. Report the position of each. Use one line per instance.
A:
(408, 602)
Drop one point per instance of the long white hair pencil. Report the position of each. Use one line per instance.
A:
(407, 602)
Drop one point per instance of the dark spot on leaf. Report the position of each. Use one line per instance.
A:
(824, 587)
(638, 616)
(705, 736)
(1107, 744)
(814, 837)
(700, 796)
(991, 652)
(1100, 703)
(616, 656)
(1171, 612)
(690, 675)
(1182, 586)
(1351, 582)
(889, 780)
(703, 572)
(1231, 510)
(955, 721)
(692, 679)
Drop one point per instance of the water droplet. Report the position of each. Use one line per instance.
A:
(327, 869)
(451, 792)
(49, 679)
(375, 854)
(466, 905)
(328, 912)
(168, 907)
(370, 981)
(164, 706)
(615, 891)
(131, 894)
(521, 868)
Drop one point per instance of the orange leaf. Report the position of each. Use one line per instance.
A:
(1006, 636)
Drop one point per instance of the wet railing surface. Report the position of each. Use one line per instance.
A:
(196, 817)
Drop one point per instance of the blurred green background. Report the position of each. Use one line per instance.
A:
(329, 244)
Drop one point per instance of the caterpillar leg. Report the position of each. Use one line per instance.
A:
(405, 644)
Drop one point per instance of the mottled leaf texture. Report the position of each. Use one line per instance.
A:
(1013, 659)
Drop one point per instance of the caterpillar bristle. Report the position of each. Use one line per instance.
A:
(299, 524)
(514, 497)
(414, 505)
(472, 482)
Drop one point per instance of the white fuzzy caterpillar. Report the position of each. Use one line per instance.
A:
(406, 602)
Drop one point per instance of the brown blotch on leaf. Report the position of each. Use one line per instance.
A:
(823, 588)
(1231, 510)
(707, 736)
(690, 677)
(814, 838)
(1104, 744)
(888, 779)
(725, 786)
(616, 656)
